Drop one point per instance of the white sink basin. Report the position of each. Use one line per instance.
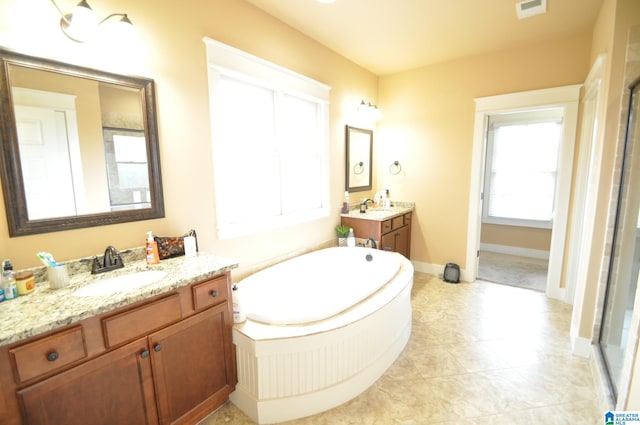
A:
(121, 283)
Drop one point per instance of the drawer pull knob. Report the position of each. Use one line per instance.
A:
(157, 347)
(144, 354)
(53, 356)
(214, 293)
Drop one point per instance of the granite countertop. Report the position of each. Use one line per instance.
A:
(46, 309)
(381, 214)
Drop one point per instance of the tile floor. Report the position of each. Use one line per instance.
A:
(479, 353)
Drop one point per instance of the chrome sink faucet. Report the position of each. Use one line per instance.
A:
(110, 261)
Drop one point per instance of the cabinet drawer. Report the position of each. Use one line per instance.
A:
(209, 293)
(407, 219)
(48, 354)
(386, 226)
(397, 222)
(140, 321)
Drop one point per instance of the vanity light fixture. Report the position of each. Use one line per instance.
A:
(82, 23)
(371, 111)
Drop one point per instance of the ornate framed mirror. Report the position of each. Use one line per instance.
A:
(79, 146)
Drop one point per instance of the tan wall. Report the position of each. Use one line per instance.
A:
(520, 237)
(169, 49)
(428, 117)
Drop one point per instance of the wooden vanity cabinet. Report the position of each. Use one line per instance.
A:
(393, 234)
(168, 360)
(190, 366)
(116, 388)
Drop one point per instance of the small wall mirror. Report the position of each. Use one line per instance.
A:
(359, 144)
(79, 146)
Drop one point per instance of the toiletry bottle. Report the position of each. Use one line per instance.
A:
(345, 204)
(8, 281)
(351, 238)
(239, 314)
(151, 249)
(387, 199)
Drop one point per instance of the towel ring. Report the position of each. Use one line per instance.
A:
(358, 168)
(395, 168)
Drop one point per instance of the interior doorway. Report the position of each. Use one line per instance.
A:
(566, 98)
(521, 169)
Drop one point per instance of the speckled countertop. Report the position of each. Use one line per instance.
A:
(381, 214)
(46, 309)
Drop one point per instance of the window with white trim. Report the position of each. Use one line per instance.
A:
(521, 167)
(270, 143)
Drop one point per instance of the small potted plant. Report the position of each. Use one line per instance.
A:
(342, 231)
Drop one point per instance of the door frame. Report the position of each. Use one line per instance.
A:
(566, 97)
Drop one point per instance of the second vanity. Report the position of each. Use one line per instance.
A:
(389, 227)
(156, 354)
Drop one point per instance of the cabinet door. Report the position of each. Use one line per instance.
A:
(116, 388)
(193, 365)
(402, 241)
(397, 241)
(388, 242)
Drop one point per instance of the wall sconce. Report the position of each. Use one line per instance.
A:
(82, 23)
(370, 111)
(395, 168)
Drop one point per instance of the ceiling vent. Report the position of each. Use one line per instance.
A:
(529, 8)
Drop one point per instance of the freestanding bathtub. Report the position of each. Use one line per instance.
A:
(321, 328)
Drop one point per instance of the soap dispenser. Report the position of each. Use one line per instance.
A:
(151, 249)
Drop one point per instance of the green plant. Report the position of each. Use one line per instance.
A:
(342, 230)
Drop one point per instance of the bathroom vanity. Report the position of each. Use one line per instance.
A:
(158, 354)
(389, 227)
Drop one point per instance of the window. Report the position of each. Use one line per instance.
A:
(522, 166)
(270, 143)
(127, 168)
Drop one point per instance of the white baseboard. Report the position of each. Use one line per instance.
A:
(581, 347)
(437, 270)
(515, 250)
(428, 268)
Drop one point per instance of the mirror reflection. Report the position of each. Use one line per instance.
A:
(359, 144)
(86, 143)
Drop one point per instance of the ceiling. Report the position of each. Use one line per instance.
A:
(390, 36)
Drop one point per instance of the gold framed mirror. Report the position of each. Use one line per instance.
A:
(72, 139)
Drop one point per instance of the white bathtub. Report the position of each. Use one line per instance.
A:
(322, 328)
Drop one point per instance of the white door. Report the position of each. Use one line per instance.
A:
(45, 162)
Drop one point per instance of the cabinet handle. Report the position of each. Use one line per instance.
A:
(53, 356)
(144, 354)
(214, 293)
(157, 347)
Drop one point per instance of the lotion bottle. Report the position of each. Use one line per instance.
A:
(345, 204)
(239, 313)
(351, 239)
(151, 249)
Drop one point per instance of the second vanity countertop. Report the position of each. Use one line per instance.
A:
(46, 309)
(382, 214)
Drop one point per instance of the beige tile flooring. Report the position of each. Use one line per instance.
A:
(479, 353)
